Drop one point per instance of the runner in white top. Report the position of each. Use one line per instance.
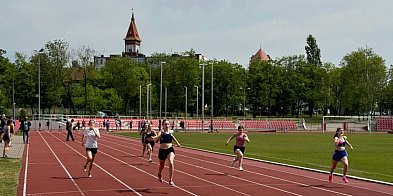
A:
(92, 134)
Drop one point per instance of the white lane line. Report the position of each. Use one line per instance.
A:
(278, 189)
(285, 165)
(296, 167)
(95, 164)
(191, 193)
(26, 165)
(185, 173)
(65, 169)
(167, 167)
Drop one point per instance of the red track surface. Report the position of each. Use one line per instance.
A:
(55, 167)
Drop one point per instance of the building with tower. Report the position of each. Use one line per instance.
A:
(132, 44)
(260, 56)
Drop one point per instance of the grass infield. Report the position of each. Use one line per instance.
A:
(371, 158)
(9, 175)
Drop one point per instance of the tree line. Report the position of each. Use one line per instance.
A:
(286, 86)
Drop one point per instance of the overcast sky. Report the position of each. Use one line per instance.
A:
(222, 29)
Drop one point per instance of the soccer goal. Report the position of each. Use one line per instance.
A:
(348, 123)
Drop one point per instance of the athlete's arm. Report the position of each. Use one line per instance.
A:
(174, 138)
(230, 139)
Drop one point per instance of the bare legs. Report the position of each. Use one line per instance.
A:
(89, 161)
(170, 158)
(344, 161)
(239, 157)
(6, 148)
(143, 149)
(150, 151)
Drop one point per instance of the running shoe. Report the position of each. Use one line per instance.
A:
(150, 160)
(159, 177)
(330, 178)
(171, 183)
(89, 175)
(233, 162)
(345, 179)
(240, 168)
(84, 168)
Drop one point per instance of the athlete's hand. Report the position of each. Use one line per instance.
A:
(83, 144)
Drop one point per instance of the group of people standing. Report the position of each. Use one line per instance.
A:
(7, 130)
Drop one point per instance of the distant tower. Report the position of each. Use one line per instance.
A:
(132, 41)
(260, 56)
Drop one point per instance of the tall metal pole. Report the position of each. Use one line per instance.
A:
(244, 100)
(197, 104)
(185, 114)
(161, 88)
(13, 95)
(39, 83)
(150, 87)
(147, 101)
(203, 97)
(166, 93)
(140, 101)
(39, 88)
(212, 113)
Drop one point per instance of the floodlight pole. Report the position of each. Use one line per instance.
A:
(197, 104)
(203, 96)
(161, 88)
(140, 101)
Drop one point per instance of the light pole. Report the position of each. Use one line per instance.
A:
(197, 104)
(140, 101)
(13, 95)
(244, 100)
(203, 96)
(166, 93)
(147, 101)
(39, 82)
(185, 114)
(212, 114)
(161, 87)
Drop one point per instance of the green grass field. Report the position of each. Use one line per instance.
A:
(9, 175)
(372, 156)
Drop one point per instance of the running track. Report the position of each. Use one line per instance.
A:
(52, 166)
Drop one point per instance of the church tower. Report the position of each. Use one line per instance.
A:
(132, 41)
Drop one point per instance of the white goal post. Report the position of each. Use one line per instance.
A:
(348, 123)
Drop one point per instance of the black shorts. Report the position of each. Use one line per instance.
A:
(6, 137)
(163, 153)
(150, 142)
(240, 148)
(92, 150)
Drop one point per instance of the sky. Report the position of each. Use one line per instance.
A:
(229, 30)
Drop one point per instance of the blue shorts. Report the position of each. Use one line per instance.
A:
(338, 155)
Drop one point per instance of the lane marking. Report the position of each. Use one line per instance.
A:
(95, 164)
(278, 189)
(25, 175)
(65, 169)
(283, 164)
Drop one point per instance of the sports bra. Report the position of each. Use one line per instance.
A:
(166, 138)
(341, 142)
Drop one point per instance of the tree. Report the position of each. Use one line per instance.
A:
(313, 72)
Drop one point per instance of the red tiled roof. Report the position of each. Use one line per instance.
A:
(260, 55)
(132, 33)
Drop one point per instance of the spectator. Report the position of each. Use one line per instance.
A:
(25, 127)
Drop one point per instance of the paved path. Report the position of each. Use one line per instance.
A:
(16, 150)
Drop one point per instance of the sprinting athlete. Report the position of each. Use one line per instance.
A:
(150, 135)
(239, 147)
(340, 154)
(92, 134)
(166, 151)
